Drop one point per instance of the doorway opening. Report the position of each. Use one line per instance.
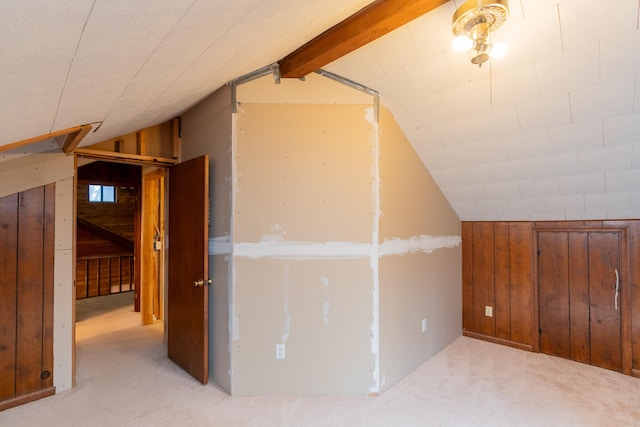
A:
(120, 268)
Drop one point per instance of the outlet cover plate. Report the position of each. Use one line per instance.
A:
(280, 351)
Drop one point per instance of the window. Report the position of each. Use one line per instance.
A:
(102, 193)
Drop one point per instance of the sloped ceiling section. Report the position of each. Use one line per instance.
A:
(133, 64)
(550, 132)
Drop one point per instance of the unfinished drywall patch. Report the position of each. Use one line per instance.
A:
(63, 294)
(414, 244)
(320, 310)
(307, 168)
(415, 287)
(302, 250)
(420, 260)
(25, 172)
(302, 244)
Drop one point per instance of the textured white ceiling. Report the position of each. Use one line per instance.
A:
(552, 131)
(132, 64)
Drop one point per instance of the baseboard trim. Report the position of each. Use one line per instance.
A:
(520, 346)
(21, 400)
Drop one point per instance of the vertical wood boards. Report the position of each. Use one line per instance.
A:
(579, 316)
(520, 282)
(46, 375)
(483, 277)
(497, 273)
(634, 290)
(604, 310)
(151, 258)
(30, 277)
(8, 291)
(467, 276)
(584, 243)
(26, 295)
(553, 280)
(579, 291)
(502, 311)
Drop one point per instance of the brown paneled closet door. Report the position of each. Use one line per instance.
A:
(604, 305)
(579, 311)
(553, 282)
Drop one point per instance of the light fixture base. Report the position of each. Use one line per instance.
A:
(476, 20)
(489, 14)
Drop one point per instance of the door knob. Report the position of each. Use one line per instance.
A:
(201, 282)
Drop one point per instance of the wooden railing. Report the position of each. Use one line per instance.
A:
(104, 275)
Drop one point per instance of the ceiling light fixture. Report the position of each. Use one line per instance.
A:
(473, 24)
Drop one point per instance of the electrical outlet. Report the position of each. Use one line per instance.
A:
(280, 351)
(488, 311)
(424, 325)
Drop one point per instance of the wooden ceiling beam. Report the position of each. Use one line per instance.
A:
(73, 139)
(67, 139)
(135, 159)
(366, 25)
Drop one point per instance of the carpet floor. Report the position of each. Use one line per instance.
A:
(125, 379)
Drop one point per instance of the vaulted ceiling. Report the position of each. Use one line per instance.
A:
(551, 131)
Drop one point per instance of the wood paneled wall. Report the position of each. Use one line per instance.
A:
(496, 259)
(26, 295)
(498, 264)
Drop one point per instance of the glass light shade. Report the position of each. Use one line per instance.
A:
(462, 44)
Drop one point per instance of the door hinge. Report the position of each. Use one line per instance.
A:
(538, 252)
(539, 331)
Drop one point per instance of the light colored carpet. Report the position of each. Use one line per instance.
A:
(125, 379)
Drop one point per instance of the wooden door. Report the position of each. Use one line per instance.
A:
(553, 282)
(187, 304)
(606, 336)
(579, 315)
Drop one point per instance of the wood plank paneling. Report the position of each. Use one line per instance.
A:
(94, 277)
(26, 295)
(103, 276)
(605, 331)
(483, 283)
(634, 282)
(8, 293)
(29, 301)
(46, 374)
(579, 297)
(521, 288)
(81, 279)
(553, 281)
(114, 275)
(467, 276)
(483, 277)
(502, 289)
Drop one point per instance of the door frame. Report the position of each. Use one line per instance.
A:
(147, 248)
(625, 286)
(105, 157)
